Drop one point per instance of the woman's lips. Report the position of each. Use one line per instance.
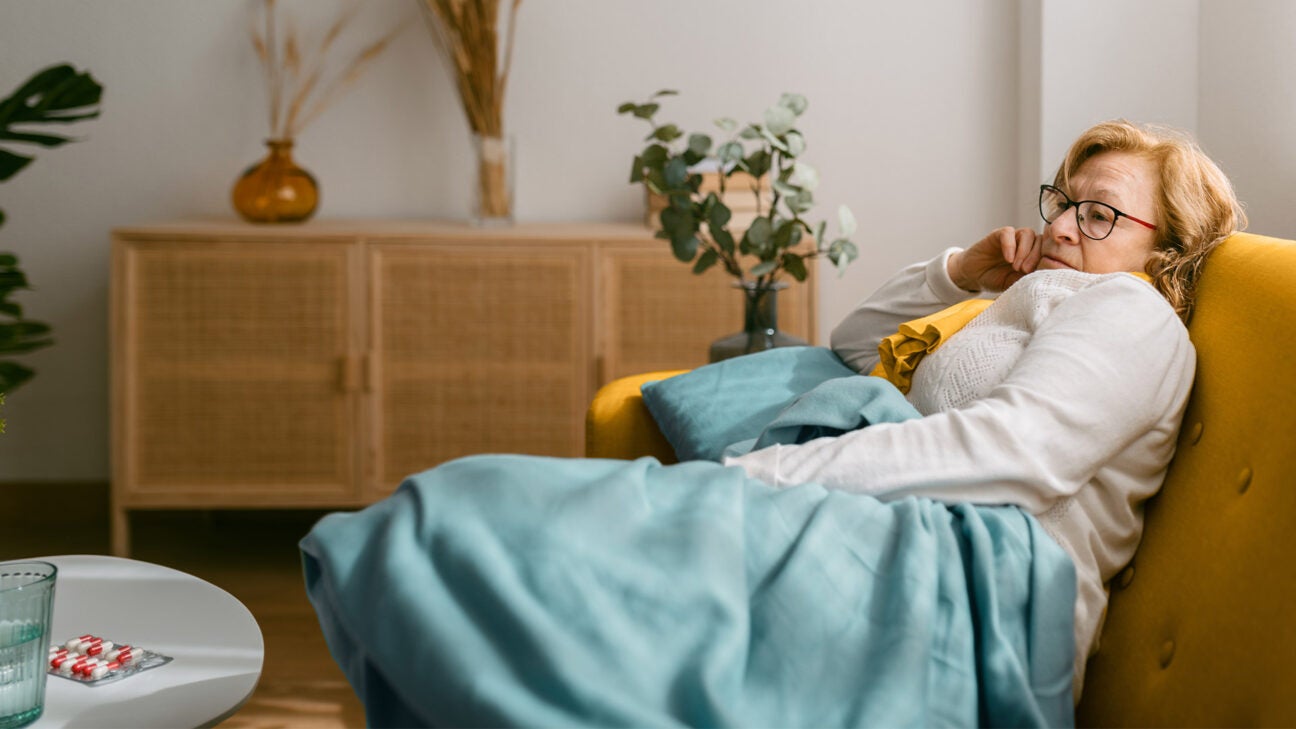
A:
(1054, 263)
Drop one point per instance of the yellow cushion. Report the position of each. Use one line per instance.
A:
(1203, 633)
(618, 424)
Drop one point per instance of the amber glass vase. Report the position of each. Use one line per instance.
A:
(276, 190)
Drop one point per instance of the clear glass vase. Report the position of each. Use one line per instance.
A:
(493, 197)
(760, 324)
(276, 189)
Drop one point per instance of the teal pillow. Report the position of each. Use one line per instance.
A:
(703, 411)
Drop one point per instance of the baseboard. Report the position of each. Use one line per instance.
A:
(60, 504)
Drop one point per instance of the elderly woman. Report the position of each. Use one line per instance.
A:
(1009, 479)
(1064, 397)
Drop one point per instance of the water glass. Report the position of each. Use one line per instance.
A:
(26, 607)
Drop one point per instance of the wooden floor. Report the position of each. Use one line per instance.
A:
(251, 555)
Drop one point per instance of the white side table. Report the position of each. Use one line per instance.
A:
(215, 641)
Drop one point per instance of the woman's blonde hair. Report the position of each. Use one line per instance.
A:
(1196, 203)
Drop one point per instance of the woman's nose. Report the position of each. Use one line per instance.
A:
(1066, 227)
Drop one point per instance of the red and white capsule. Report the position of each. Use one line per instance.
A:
(74, 644)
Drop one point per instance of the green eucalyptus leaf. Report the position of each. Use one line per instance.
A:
(796, 103)
(636, 170)
(787, 234)
(720, 216)
(655, 155)
(759, 232)
(842, 252)
(758, 163)
(794, 264)
(820, 230)
(726, 124)
(665, 92)
(779, 120)
(784, 188)
(801, 202)
(795, 143)
(724, 239)
(751, 131)
(764, 267)
(656, 181)
(707, 205)
(705, 261)
(699, 144)
(666, 133)
(627, 107)
(730, 153)
(685, 247)
(805, 176)
(846, 220)
(646, 111)
(7, 259)
(757, 236)
(773, 141)
(678, 222)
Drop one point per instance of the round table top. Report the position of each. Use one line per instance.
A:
(215, 643)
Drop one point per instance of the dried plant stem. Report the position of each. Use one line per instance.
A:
(344, 80)
(468, 37)
(297, 90)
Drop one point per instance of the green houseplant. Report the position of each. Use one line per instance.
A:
(56, 95)
(778, 242)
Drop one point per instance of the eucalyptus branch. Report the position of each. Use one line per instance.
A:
(663, 167)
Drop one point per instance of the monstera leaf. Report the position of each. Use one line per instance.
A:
(57, 95)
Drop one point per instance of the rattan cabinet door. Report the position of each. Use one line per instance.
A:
(656, 314)
(476, 348)
(230, 374)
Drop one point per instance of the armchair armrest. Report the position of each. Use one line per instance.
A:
(618, 424)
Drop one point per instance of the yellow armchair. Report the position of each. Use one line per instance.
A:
(1200, 629)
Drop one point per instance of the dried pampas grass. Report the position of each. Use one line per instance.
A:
(467, 34)
(298, 86)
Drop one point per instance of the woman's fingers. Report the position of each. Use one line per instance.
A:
(1026, 254)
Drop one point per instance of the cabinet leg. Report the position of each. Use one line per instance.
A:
(119, 531)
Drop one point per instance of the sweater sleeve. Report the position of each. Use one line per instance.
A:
(1103, 369)
(916, 291)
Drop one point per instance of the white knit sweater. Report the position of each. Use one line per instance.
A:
(1064, 397)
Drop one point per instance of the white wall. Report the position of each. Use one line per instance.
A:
(1087, 62)
(907, 106)
(1248, 105)
(933, 120)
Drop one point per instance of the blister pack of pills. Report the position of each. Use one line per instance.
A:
(93, 661)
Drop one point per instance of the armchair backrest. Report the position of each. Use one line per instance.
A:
(1201, 629)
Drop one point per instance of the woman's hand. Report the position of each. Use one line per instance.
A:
(996, 261)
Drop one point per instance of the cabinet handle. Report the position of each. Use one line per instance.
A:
(370, 373)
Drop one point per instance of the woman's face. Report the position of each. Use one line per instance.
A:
(1125, 181)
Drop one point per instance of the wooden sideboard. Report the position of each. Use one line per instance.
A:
(317, 365)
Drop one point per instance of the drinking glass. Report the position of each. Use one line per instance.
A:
(26, 607)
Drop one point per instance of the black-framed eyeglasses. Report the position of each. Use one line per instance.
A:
(1096, 219)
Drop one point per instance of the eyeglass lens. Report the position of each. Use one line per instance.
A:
(1096, 219)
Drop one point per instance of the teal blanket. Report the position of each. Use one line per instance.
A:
(528, 591)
